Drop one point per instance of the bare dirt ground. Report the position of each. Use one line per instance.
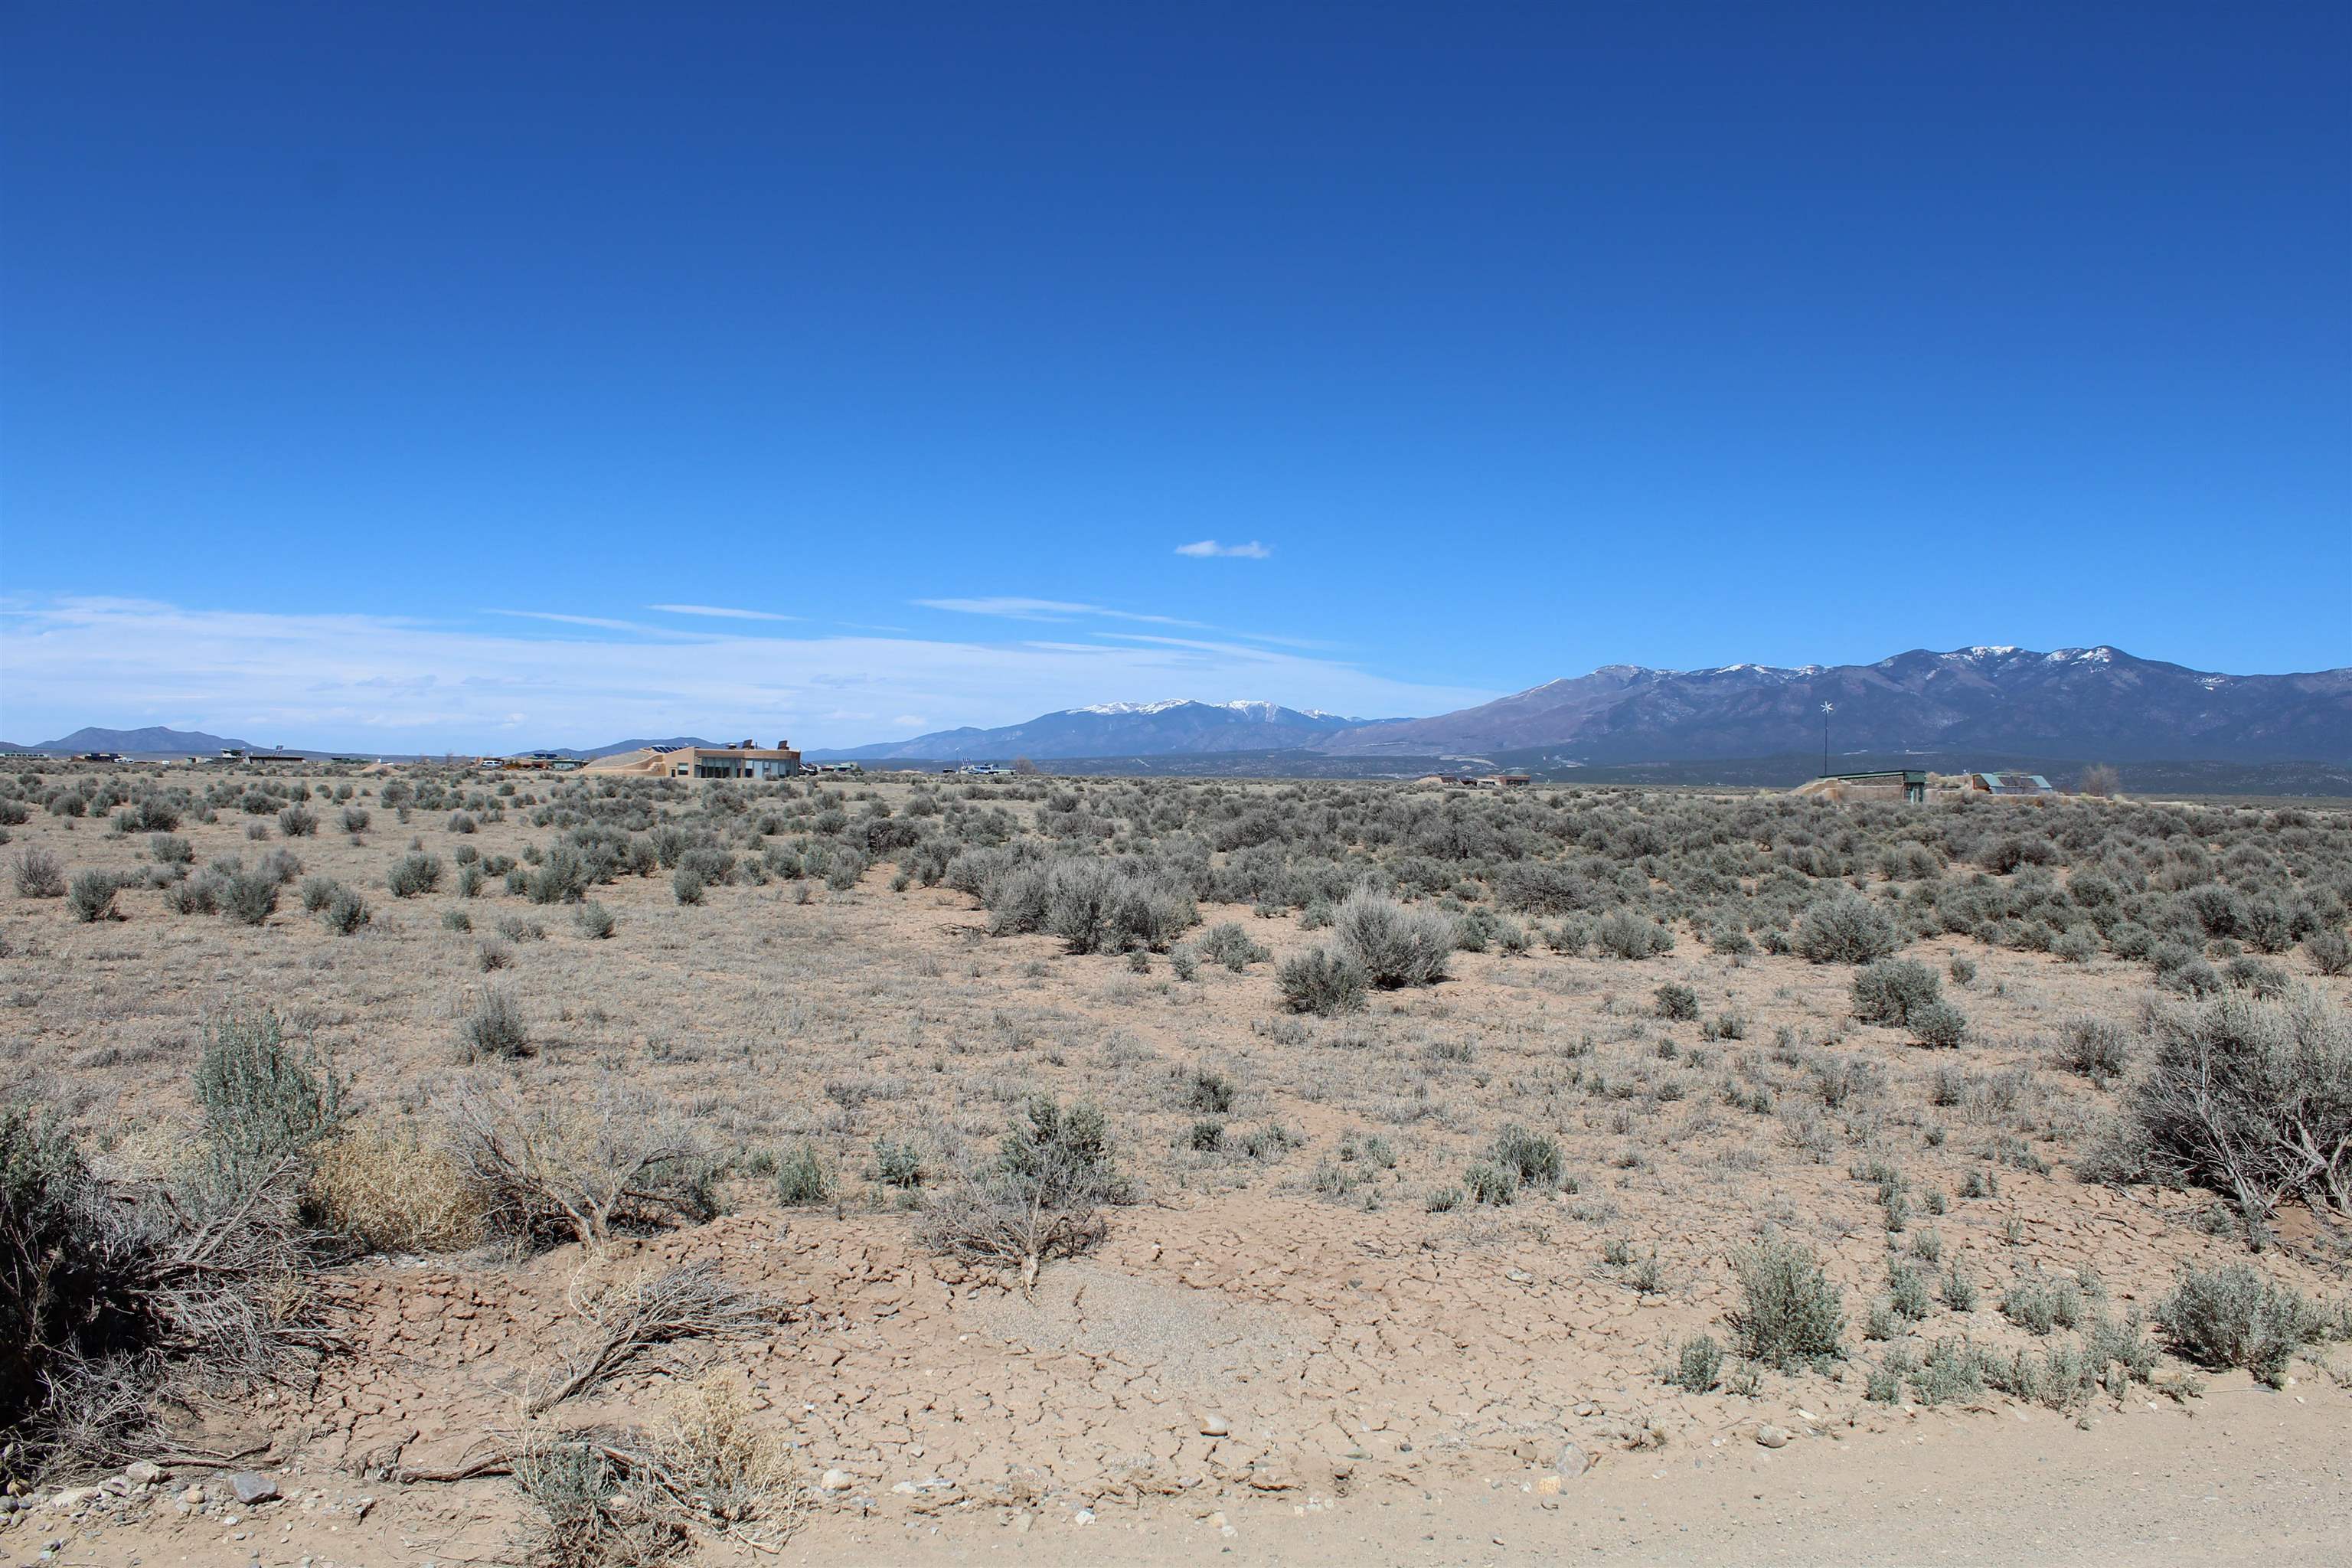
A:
(1281, 1352)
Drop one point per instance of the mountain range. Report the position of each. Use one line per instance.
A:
(152, 741)
(1179, 726)
(2090, 702)
(2085, 703)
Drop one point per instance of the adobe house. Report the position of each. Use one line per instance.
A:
(744, 760)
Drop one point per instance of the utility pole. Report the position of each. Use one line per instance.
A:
(1827, 708)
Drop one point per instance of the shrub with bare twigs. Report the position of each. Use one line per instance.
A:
(578, 1170)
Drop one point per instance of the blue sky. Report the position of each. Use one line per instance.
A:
(389, 375)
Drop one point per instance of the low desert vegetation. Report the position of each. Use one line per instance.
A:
(1811, 1091)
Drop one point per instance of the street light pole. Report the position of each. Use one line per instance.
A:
(1827, 708)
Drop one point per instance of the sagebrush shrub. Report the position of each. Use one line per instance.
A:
(250, 898)
(1323, 982)
(346, 911)
(1535, 1157)
(1627, 935)
(91, 898)
(414, 874)
(1789, 1314)
(2233, 1317)
(1396, 946)
(1845, 930)
(2247, 1097)
(1699, 1366)
(802, 1180)
(1230, 945)
(1890, 990)
(1939, 1024)
(495, 1026)
(37, 873)
(1676, 1003)
(2329, 950)
(264, 1097)
(1054, 1168)
(2098, 1049)
(1489, 1183)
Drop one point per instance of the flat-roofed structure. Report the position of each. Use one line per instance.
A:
(2011, 784)
(743, 761)
(1884, 784)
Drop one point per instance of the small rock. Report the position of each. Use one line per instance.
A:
(1216, 1520)
(252, 1486)
(1573, 1461)
(1548, 1486)
(194, 1496)
(1084, 1516)
(835, 1482)
(1772, 1437)
(144, 1472)
(1215, 1426)
(905, 1489)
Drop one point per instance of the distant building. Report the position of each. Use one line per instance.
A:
(746, 760)
(532, 761)
(2027, 786)
(1887, 784)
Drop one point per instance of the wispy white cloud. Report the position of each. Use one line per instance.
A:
(720, 612)
(1014, 609)
(597, 621)
(1018, 609)
(380, 683)
(1203, 548)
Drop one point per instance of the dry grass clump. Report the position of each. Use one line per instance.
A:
(391, 1190)
(723, 1470)
(609, 1498)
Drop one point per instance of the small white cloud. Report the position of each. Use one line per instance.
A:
(1203, 548)
(909, 720)
(721, 612)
